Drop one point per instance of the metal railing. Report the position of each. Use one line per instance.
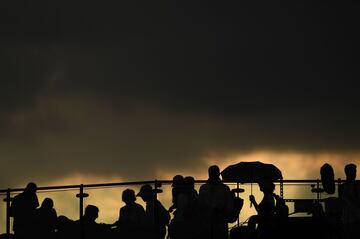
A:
(156, 183)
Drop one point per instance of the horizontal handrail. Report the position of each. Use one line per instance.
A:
(76, 186)
(156, 183)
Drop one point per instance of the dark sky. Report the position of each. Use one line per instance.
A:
(128, 88)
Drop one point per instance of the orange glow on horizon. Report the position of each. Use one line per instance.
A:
(292, 165)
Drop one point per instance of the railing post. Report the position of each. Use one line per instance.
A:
(8, 201)
(281, 189)
(154, 203)
(81, 197)
(157, 186)
(318, 192)
(338, 188)
(237, 195)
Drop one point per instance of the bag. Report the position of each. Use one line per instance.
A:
(13, 210)
(238, 204)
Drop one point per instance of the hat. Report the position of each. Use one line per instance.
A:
(144, 190)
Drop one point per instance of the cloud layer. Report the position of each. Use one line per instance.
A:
(124, 89)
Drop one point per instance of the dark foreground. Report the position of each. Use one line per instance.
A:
(291, 228)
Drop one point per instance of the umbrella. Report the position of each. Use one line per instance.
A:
(249, 172)
(245, 172)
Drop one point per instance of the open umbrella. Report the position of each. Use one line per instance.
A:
(249, 172)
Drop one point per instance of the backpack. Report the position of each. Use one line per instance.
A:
(281, 209)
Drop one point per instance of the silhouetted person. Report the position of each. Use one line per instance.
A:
(176, 188)
(349, 193)
(157, 217)
(45, 219)
(265, 209)
(216, 201)
(327, 178)
(22, 210)
(131, 217)
(90, 228)
(183, 225)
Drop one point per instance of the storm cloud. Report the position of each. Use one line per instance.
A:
(123, 88)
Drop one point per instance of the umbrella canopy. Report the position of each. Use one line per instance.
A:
(247, 172)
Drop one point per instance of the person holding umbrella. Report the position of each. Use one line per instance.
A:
(265, 209)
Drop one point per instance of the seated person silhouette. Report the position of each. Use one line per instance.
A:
(45, 219)
(67, 228)
(265, 209)
(131, 217)
(89, 228)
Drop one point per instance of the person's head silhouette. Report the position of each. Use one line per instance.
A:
(31, 188)
(177, 180)
(350, 171)
(128, 196)
(266, 185)
(146, 193)
(47, 203)
(91, 213)
(214, 172)
(189, 182)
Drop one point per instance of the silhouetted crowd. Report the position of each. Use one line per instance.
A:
(195, 215)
